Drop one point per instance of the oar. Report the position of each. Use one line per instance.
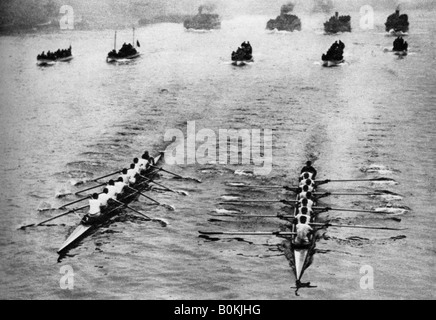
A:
(163, 223)
(171, 208)
(275, 233)
(73, 202)
(256, 201)
(357, 180)
(348, 194)
(161, 185)
(243, 185)
(176, 175)
(347, 210)
(95, 187)
(108, 175)
(355, 226)
(58, 216)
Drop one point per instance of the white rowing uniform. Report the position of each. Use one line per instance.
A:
(119, 185)
(303, 231)
(131, 173)
(94, 207)
(302, 195)
(309, 211)
(103, 198)
(112, 191)
(298, 217)
(303, 174)
(304, 182)
(309, 203)
(142, 164)
(125, 178)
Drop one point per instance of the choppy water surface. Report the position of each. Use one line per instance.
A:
(372, 117)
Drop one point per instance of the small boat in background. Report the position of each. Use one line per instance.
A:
(334, 56)
(243, 55)
(397, 24)
(127, 51)
(50, 58)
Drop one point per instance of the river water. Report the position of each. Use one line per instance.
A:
(374, 116)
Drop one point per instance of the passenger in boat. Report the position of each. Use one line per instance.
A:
(303, 231)
(308, 168)
(112, 190)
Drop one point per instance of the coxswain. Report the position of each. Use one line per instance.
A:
(112, 190)
(303, 231)
(149, 158)
(308, 168)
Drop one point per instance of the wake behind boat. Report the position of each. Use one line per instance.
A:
(129, 195)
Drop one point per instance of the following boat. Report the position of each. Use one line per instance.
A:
(285, 21)
(397, 24)
(113, 208)
(126, 53)
(50, 58)
(334, 56)
(337, 24)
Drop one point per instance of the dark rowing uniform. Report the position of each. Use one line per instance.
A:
(310, 169)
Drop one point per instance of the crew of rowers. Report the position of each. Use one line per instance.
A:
(336, 52)
(115, 188)
(243, 53)
(59, 54)
(400, 44)
(305, 202)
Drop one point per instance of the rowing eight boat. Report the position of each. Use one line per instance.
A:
(114, 208)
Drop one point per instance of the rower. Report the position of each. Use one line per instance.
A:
(119, 186)
(305, 193)
(306, 203)
(143, 162)
(124, 176)
(94, 206)
(94, 210)
(305, 175)
(112, 190)
(308, 168)
(303, 230)
(131, 173)
(309, 183)
(104, 197)
(305, 211)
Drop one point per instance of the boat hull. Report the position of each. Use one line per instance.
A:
(46, 62)
(112, 210)
(332, 63)
(127, 58)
